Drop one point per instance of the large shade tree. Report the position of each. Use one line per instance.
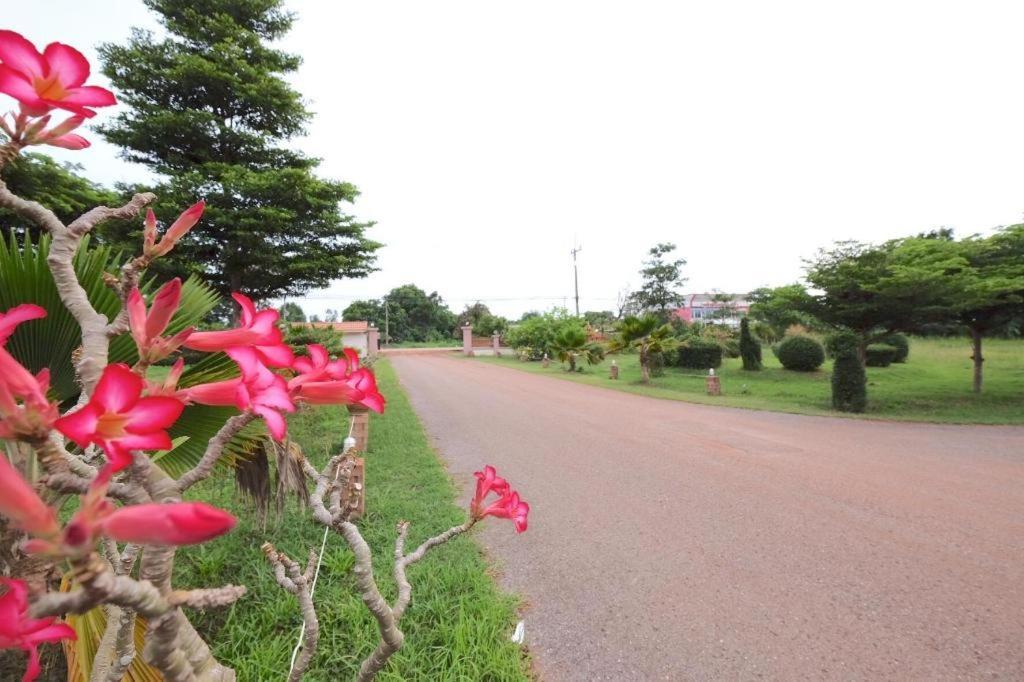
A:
(874, 290)
(208, 108)
(990, 295)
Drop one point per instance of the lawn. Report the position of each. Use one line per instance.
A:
(934, 385)
(459, 624)
(445, 343)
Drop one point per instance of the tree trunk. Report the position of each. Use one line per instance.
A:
(976, 356)
(235, 278)
(645, 372)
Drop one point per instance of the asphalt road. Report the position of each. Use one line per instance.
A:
(678, 541)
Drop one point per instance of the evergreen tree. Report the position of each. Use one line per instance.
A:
(209, 110)
(750, 348)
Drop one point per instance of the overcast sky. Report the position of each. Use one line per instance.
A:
(486, 137)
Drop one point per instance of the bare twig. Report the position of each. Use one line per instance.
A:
(288, 576)
(214, 450)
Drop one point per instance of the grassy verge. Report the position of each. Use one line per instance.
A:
(933, 386)
(459, 624)
(446, 343)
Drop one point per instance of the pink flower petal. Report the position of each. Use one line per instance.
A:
(136, 306)
(10, 320)
(80, 426)
(21, 55)
(152, 413)
(67, 63)
(247, 306)
(118, 389)
(275, 422)
(70, 141)
(165, 304)
(183, 523)
(90, 96)
(277, 355)
(214, 393)
(20, 503)
(17, 86)
(157, 440)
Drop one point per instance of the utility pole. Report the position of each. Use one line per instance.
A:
(387, 323)
(576, 277)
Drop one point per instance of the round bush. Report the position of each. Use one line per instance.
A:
(801, 353)
(902, 345)
(880, 355)
(700, 354)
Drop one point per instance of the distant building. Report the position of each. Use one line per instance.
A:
(704, 308)
(355, 334)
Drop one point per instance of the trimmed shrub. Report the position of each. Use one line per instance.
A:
(902, 345)
(880, 355)
(849, 381)
(700, 354)
(730, 348)
(800, 353)
(750, 348)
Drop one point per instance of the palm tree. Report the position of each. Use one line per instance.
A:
(647, 336)
(571, 343)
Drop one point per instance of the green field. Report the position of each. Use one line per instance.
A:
(459, 624)
(934, 385)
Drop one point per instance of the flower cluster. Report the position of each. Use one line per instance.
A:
(18, 630)
(506, 506)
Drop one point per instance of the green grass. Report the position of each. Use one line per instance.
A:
(446, 343)
(933, 386)
(458, 625)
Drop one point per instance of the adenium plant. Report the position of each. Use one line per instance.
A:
(130, 512)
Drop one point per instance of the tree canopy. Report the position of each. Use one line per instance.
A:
(208, 108)
(406, 313)
(662, 278)
(57, 186)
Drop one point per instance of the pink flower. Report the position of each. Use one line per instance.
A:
(146, 329)
(182, 523)
(31, 417)
(259, 331)
(17, 629)
(507, 506)
(52, 79)
(258, 390)
(20, 503)
(487, 481)
(321, 381)
(178, 229)
(119, 420)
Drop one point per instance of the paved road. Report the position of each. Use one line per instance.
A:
(677, 541)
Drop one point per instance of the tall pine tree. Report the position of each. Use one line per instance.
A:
(209, 111)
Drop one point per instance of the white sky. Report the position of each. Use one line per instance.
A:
(486, 136)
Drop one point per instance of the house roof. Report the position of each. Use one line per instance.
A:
(349, 326)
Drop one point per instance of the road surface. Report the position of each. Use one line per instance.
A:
(677, 541)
